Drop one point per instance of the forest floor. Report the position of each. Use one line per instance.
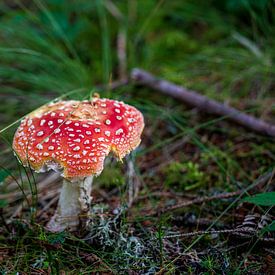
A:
(181, 203)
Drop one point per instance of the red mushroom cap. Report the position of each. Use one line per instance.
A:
(77, 135)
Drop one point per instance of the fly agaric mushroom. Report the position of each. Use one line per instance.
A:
(74, 137)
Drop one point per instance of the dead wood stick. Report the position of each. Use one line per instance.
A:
(201, 102)
(200, 200)
(261, 180)
(192, 234)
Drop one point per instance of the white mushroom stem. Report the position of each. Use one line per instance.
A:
(74, 200)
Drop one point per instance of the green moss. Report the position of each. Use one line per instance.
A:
(184, 176)
(111, 177)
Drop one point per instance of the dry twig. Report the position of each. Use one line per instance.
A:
(196, 233)
(201, 102)
(200, 200)
(261, 180)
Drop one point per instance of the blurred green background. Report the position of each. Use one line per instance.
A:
(224, 49)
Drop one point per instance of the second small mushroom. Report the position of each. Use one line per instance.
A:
(74, 137)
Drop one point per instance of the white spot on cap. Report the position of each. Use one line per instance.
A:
(51, 148)
(42, 122)
(71, 135)
(76, 124)
(50, 123)
(104, 112)
(103, 105)
(29, 122)
(88, 132)
(77, 148)
(118, 117)
(56, 131)
(71, 129)
(46, 139)
(84, 152)
(97, 130)
(107, 133)
(108, 121)
(86, 141)
(131, 120)
(116, 104)
(68, 122)
(40, 133)
(77, 140)
(39, 146)
(119, 131)
(117, 111)
(60, 120)
(45, 154)
(100, 139)
(53, 114)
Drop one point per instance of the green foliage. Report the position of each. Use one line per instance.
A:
(111, 177)
(57, 238)
(3, 203)
(263, 199)
(269, 227)
(4, 173)
(184, 176)
(209, 263)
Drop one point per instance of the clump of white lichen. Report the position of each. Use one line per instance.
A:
(109, 233)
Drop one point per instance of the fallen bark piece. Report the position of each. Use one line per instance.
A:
(201, 102)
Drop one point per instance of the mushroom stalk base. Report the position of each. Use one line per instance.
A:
(74, 201)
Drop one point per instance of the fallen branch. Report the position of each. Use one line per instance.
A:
(201, 102)
(224, 231)
(200, 200)
(248, 233)
(261, 180)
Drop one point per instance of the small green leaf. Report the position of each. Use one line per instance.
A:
(269, 227)
(263, 199)
(57, 238)
(3, 203)
(3, 174)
